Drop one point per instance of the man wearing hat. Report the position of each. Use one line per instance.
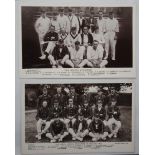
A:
(72, 21)
(100, 96)
(114, 122)
(42, 25)
(77, 55)
(44, 97)
(60, 55)
(95, 56)
(57, 131)
(111, 33)
(80, 128)
(97, 130)
(62, 20)
(42, 118)
(50, 40)
(113, 95)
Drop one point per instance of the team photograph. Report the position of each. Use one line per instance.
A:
(76, 37)
(57, 113)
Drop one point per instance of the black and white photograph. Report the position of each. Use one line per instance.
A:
(78, 113)
(95, 38)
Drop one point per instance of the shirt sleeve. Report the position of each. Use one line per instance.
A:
(101, 53)
(89, 53)
(117, 26)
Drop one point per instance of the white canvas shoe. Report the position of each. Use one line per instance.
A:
(42, 57)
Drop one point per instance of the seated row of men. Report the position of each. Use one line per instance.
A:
(74, 50)
(96, 120)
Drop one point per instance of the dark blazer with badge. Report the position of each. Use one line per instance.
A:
(101, 113)
(77, 123)
(43, 113)
(42, 98)
(114, 112)
(96, 127)
(90, 38)
(57, 54)
(57, 127)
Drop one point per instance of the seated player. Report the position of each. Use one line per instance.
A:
(57, 131)
(80, 128)
(97, 130)
(100, 110)
(41, 117)
(71, 114)
(63, 36)
(114, 122)
(73, 37)
(60, 55)
(95, 56)
(50, 40)
(85, 110)
(86, 37)
(77, 55)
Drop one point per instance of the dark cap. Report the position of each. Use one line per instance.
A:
(70, 10)
(77, 43)
(61, 10)
(73, 28)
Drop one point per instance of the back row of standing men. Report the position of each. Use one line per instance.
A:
(73, 28)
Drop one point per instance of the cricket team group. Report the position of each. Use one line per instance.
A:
(77, 41)
(61, 115)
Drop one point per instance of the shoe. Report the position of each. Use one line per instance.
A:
(73, 138)
(115, 135)
(42, 57)
(113, 59)
(80, 139)
(110, 135)
(53, 141)
(60, 140)
(104, 138)
(94, 139)
(38, 137)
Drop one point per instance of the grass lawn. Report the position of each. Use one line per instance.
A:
(124, 134)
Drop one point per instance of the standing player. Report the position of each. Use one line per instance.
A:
(72, 21)
(81, 21)
(41, 117)
(95, 56)
(60, 55)
(54, 22)
(80, 128)
(57, 131)
(97, 130)
(101, 23)
(50, 40)
(99, 37)
(44, 97)
(62, 20)
(42, 26)
(111, 29)
(114, 122)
